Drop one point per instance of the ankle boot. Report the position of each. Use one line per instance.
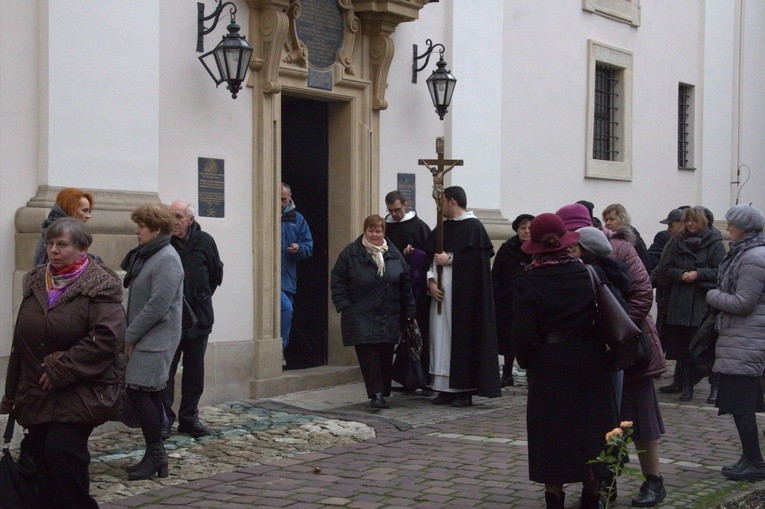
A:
(378, 402)
(553, 502)
(136, 466)
(687, 393)
(156, 463)
(651, 492)
(590, 500)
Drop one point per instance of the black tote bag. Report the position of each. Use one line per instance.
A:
(18, 482)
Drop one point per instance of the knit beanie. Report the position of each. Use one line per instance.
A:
(574, 216)
(747, 217)
(594, 241)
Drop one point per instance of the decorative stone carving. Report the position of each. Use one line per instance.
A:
(272, 31)
(381, 53)
(352, 26)
(297, 53)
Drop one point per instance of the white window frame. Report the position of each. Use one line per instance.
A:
(621, 60)
(624, 11)
(691, 122)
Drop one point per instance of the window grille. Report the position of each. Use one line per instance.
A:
(683, 125)
(605, 139)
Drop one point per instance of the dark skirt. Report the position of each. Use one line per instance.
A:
(677, 339)
(739, 394)
(570, 408)
(639, 405)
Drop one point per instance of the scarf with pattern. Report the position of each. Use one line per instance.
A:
(57, 281)
(731, 264)
(377, 253)
(558, 257)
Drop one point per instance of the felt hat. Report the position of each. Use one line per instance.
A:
(673, 216)
(594, 241)
(575, 216)
(548, 233)
(747, 217)
(520, 219)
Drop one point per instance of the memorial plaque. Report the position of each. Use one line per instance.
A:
(211, 187)
(407, 186)
(320, 27)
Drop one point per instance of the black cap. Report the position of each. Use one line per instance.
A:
(521, 218)
(674, 215)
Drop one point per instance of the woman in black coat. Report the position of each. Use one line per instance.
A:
(371, 289)
(509, 262)
(571, 403)
(689, 268)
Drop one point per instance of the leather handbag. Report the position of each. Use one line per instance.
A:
(18, 479)
(620, 335)
(702, 346)
(407, 368)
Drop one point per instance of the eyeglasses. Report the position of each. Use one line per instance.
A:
(59, 245)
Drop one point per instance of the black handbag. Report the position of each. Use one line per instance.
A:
(702, 346)
(614, 326)
(407, 368)
(18, 479)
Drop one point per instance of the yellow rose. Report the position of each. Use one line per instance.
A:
(625, 424)
(616, 432)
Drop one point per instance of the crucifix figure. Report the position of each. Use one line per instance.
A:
(439, 167)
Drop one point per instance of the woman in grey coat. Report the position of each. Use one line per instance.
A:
(740, 349)
(154, 275)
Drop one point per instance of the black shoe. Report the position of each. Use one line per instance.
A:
(712, 395)
(426, 391)
(378, 402)
(747, 472)
(651, 492)
(687, 392)
(443, 398)
(734, 467)
(553, 502)
(673, 388)
(506, 381)
(166, 431)
(591, 500)
(137, 466)
(462, 400)
(196, 430)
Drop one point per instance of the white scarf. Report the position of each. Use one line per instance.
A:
(377, 253)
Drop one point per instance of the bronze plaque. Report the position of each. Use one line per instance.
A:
(211, 187)
(320, 27)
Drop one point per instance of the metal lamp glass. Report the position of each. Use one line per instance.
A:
(232, 58)
(441, 86)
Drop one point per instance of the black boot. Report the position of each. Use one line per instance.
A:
(687, 393)
(156, 463)
(712, 395)
(591, 500)
(553, 502)
(137, 466)
(651, 492)
(748, 471)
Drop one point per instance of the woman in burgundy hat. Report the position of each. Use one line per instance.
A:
(571, 403)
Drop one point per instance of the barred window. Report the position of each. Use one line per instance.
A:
(605, 139)
(684, 126)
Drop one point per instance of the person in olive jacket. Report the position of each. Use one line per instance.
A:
(690, 270)
(66, 370)
(371, 289)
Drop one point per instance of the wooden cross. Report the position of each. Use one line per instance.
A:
(439, 167)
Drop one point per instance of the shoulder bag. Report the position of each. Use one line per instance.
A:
(614, 326)
(18, 479)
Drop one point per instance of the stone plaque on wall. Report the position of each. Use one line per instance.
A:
(320, 28)
(211, 187)
(407, 186)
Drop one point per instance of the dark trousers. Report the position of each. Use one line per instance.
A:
(60, 451)
(192, 380)
(376, 363)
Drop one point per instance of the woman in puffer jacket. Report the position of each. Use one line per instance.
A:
(740, 349)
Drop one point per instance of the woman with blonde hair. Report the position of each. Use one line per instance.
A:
(615, 216)
(154, 275)
(70, 202)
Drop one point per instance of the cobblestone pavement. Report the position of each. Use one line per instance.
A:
(327, 449)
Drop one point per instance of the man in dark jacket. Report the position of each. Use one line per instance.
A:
(203, 273)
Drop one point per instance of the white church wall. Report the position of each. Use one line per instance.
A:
(199, 120)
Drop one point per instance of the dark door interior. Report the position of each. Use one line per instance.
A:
(305, 153)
